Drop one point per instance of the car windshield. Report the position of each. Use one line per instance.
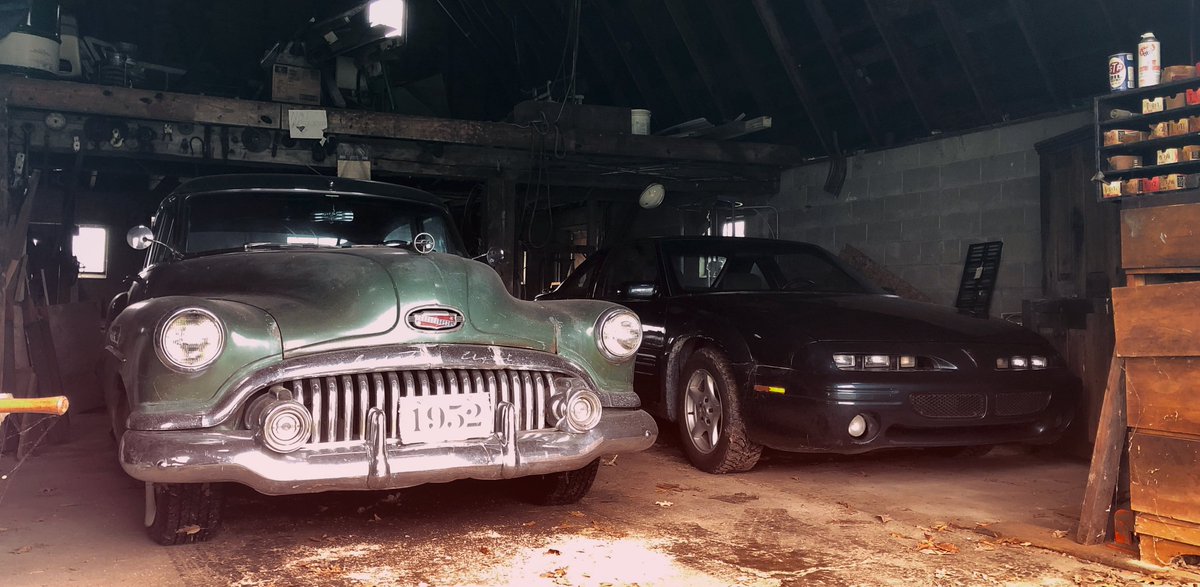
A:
(736, 265)
(236, 220)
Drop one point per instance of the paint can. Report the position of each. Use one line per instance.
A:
(639, 120)
(1149, 61)
(1120, 72)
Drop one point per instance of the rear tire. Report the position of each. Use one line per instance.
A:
(183, 513)
(711, 429)
(562, 488)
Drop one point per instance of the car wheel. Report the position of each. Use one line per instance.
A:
(559, 488)
(711, 428)
(183, 513)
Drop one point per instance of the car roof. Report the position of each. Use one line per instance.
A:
(305, 183)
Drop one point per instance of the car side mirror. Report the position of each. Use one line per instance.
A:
(634, 290)
(140, 237)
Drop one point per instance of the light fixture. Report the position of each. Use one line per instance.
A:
(907, 361)
(389, 14)
(877, 362)
(652, 196)
(844, 361)
(857, 427)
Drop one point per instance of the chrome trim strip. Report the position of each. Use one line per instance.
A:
(328, 365)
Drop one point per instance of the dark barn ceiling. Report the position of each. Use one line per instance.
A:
(855, 73)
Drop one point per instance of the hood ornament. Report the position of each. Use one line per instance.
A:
(423, 243)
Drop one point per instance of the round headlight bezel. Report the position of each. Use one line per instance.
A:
(161, 347)
(609, 317)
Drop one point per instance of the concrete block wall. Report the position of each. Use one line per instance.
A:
(916, 208)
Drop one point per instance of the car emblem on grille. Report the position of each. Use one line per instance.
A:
(424, 243)
(435, 319)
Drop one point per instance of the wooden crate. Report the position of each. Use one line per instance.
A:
(1161, 394)
(1164, 541)
(1161, 237)
(1164, 475)
(1157, 320)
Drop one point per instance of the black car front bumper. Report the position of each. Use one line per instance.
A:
(930, 409)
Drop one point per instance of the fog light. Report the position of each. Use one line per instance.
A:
(1037, 362)
(1020, 362)
(877, 362)
(1002, 363)
(858, 426)
(844, 361)
(582, 411)
(908, 362)
(283, 425)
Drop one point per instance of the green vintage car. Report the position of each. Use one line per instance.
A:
(299, 334)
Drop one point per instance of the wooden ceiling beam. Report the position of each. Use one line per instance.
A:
(694, 42)
(1021, 13)
(641, 76)
(660, 51)
(966, 56)
(846, 68)
(791, 65)
(903, 61)
(747, 64)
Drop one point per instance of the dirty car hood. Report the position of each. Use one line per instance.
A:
(325, 296)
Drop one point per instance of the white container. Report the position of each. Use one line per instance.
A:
(1149, 60)
(639, 120)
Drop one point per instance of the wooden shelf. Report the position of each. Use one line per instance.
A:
(1157, 199)
(1153, 144)
(1143, 121)
(1152, 170)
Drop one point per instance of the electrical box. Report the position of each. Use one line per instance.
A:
(295, 84)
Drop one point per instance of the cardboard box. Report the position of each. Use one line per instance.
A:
(295, 84)
(1178, 127)
(1133, 187)
(1190, 153)
(1179, 181)
(1193, 97)
(1169, 156)
(1152, 184)
(1175, 102)
(1111, 189)
(1159, 130)
(1152, 105)
(1122, 136)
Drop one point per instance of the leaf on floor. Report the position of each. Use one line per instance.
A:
(883, 518)
(664, 504)
(22, 550)
(189, 530)
(1059, 533)
(554, 551)
(609, 462)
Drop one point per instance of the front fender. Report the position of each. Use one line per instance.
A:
(251, 338)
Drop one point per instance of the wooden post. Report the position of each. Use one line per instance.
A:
(5, 166)
(502, 229)
(1106, 459)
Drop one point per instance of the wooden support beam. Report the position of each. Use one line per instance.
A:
(694, 43)
(1106, 459)
(901, 57)
(966, 56)
(1024, 18)
(502, 229)
(791, 65)
(69, 97)
(746, 63)
(846, 68)
(5, 167)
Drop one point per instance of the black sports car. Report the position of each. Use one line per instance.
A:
(750, 343)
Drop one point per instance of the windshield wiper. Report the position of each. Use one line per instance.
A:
(269, 246)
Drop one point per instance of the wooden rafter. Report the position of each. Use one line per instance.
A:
(1021, 13)
(791, 65)
(845, 67)
(641, 77)
(905, 64)
(660, 52)
(746, 63)
(966, 56)
(693, 42)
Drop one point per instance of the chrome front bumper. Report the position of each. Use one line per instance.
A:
(203, 456)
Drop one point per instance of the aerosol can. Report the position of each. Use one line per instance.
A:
(1149, 61)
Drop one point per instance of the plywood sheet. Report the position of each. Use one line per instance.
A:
(1163, 394)
(1165, 475)
(1161, 236)
(1158, 320)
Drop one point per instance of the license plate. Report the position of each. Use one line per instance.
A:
(445, 418)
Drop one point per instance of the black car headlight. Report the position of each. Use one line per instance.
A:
(1022, 363)
(618, 334)
(190, 339)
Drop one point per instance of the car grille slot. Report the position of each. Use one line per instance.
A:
(1021, 403)
(339, 404)
(949, 405)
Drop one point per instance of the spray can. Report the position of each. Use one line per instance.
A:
(1149, 61)
(1120, 72)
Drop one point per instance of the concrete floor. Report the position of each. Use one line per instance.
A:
(70, 516)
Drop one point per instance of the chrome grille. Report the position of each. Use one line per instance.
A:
(339, 403)
(1021, 403)
(949, 405)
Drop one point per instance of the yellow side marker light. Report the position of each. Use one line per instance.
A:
(769, 389)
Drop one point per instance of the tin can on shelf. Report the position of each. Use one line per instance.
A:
(1149, 61)
(1120, 72)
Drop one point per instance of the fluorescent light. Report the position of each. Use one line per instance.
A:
(387, 13)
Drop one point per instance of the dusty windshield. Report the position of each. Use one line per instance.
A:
(733, 265)
(230, 221)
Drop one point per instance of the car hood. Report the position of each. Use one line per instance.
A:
(854, 317)
(320, 298)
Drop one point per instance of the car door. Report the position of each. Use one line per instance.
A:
(632, 276)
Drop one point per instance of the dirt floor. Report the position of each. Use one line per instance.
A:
(70, 516)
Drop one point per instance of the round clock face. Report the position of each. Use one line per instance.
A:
(56, 121)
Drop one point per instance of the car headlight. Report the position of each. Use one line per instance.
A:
(190, 339)
(618, 334)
